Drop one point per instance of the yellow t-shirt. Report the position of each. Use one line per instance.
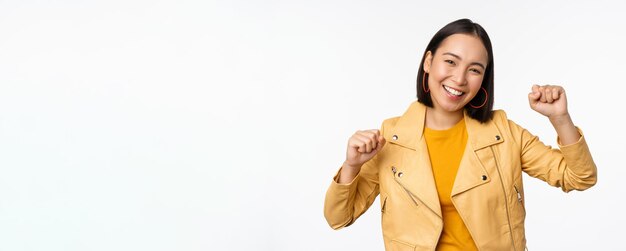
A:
(445, 148)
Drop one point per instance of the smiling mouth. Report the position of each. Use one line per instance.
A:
(453, 91)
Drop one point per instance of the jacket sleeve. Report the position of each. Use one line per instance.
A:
(344, 203)
(570, 167)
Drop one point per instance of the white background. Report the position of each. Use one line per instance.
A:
(203, 125)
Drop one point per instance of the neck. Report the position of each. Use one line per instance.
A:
(440, 120)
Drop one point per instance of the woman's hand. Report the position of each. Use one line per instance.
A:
(549, 100)
(362, 146)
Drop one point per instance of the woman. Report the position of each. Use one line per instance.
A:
(451, 176)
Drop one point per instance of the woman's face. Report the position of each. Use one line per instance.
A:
(456, 71)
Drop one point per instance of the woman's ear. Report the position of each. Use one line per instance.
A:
(428, 59)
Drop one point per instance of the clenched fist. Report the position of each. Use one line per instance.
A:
(548, 100)
(362, 146)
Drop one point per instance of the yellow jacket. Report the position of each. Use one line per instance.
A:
(488, 191)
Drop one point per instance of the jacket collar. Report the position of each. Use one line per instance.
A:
(409, 129)
(418, 177)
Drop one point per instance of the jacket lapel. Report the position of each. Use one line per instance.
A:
(472, 171)
(417, 175)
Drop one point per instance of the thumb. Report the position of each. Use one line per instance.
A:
(381, 143)
(534, 95)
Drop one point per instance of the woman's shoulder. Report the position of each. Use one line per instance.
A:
(413, 113)
(502, 121)
(499, 115)
(391, 121)
(499, 118)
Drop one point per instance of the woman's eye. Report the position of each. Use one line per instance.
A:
(476, 71)
(449, 61)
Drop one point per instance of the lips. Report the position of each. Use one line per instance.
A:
(453, 91)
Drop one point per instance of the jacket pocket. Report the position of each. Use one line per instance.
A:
(397, 245)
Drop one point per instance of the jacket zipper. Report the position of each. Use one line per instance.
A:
(415, 202)
(393, 170)
(521, 203)
(519, 198)
(407, 192)
(508, 214)
(382, 209)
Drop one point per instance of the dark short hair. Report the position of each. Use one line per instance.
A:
(462, 26)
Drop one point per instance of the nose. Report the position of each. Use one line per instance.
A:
(459, 76)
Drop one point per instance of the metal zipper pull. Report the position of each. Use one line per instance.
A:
(519, 195)
(382, 209)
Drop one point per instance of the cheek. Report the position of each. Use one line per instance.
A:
(475, 81)
(475, 84)
(439, 71)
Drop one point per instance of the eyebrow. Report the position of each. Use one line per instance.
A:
(458, 57)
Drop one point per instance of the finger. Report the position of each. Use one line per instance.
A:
(534, 95)
(375, 131)
(381, 142)
(362, 146)
(357, 144)
(373, 136)
(369, 138)
(366, 140)
(535, 88)
(556, 93)
(532, 98)
(542, 90)
(548, 95)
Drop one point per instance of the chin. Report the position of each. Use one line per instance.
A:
(451, 107)
(454, 109)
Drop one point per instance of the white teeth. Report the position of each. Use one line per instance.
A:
(453, 91)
